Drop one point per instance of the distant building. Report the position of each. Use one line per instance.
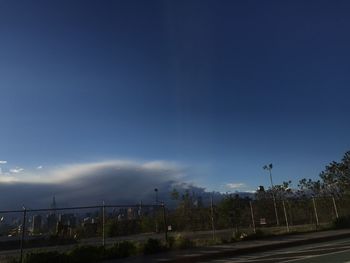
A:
(67, 220)
(53, 205)
(123, 213)
(52, 223)
(36, 224)
(132, 213)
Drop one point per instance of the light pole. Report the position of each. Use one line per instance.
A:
(269, 168)
(156, 208)
(156, 191)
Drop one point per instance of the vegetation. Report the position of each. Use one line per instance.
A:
(308, 207)
(181, 242)
(84, 254)
(342, 222)
(153, 246)
(329, 197)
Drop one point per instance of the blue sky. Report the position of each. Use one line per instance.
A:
(218, 87)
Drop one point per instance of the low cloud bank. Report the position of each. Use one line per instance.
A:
(115, 182)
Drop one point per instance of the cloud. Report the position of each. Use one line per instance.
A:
(159, 171)
(40, 167)
(236, 186)
(3, 162)
(8, 179)
(115, 182)
(16, 170)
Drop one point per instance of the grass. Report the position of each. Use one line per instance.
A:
(177, 241)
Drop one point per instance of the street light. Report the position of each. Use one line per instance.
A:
(156, 191)
(156, 209)
(269, 168)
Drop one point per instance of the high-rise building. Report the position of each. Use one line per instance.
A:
(52, 223)
(67, 220)
(36, 224)
(53, 205)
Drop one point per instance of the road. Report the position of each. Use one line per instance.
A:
(333, 251)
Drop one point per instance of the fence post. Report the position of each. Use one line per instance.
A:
(252, 213)
(23, 232)
(335, 207)
(316, 215)
(103, 224)
(275, 207)
(212, 216)
(285, 215)
(165, 224)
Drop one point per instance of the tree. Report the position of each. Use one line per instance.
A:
(233, 212)
(336, 176)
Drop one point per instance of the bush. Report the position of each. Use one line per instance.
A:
(44, 257)
(183, 242)
(171, 242)
(90, 254)
(257, 235)
(342, 222)
(86, 254)
(120, 250)
(153, 246)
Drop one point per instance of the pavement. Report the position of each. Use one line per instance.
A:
(224, 252)
(332, 251)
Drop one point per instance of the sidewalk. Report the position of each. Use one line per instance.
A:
(239, 248)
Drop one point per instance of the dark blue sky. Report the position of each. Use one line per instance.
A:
(221, 87)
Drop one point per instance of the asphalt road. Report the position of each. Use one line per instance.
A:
(333, 251)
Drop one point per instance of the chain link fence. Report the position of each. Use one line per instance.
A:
(27, 230)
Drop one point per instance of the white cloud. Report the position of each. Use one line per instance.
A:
(236, 186)
(8, 179)
(40, 167)
(16, 170)
(115, 168)
(160, 165)
(116, 181)
(3, 162)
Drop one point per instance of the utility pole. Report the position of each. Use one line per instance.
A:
(269, 168)
(103, 224)
(165, 223)
(315, 210)
(212, 216)
(252, 214)
(335, 207)
(285, 215)
(156, 209)
(23, 234)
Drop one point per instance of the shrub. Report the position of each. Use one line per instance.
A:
(153, 246)
(257, 235)
(342, 222)
(44, 257)
(120, 250)
(86, 254)
(171, 242)
(183, 242)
